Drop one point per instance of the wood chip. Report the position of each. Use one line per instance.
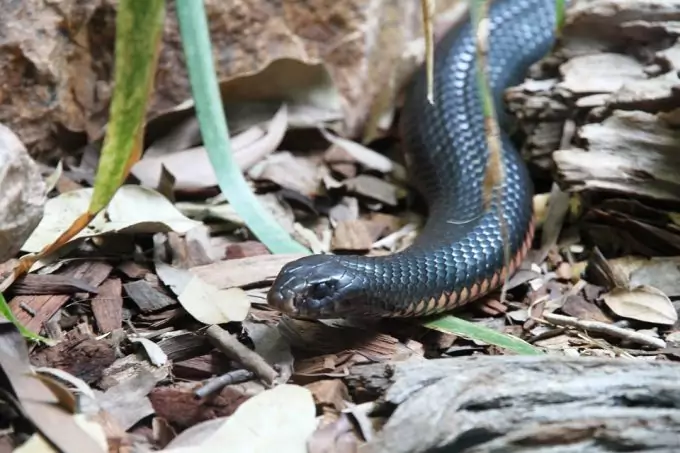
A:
(245, 249)
(629, 152)
(373, 188)
(43, 307)
(35, 284)
(201, 367)
(133, 270)
(600, 73)
(352, 235)
(178, 405)
(107, 306)
(185, 346)
(146, 297)
(78, 354)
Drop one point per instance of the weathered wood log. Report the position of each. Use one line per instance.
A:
(521, 404)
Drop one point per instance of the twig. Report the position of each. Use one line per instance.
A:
(218, 383)
(232, 348)
(608, 329)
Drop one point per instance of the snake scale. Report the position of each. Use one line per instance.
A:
(458, 255)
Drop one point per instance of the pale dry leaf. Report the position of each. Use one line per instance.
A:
(153, 351)
(76, 382)
(23, 190)
(280, 419)
(643, 303)
(298, 174)
(365, 156)
(205, 302)
(192, 167)
(219, 211)
(133, 209)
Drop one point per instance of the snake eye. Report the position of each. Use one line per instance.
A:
(321, 290)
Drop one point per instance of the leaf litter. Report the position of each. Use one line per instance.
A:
(193, 351)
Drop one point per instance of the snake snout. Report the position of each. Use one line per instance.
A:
(313, 287)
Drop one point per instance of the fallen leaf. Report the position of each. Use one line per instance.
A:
(133, 209)
(367, 157)
(643, 303)
(281, 419)
(290, 172)
(202, 300)
(153, 351)
(192, 168)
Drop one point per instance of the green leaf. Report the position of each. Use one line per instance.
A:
(197, 49)
(470, 330)
(139, 26)
(7, 313)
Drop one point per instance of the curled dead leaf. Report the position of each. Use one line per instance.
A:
(643, 303)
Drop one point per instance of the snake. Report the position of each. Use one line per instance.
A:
(459, 254)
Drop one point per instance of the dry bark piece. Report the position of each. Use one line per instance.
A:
(179, 405)
(629, 152)
(245, 249)
(78, 354)
(126, 368)
(146, 297)
(185, 346)
(352, 235)
(201, 367)
(373, 188)
(107, 306)
(44, 307)
(34, 284)
(600, 73)
(481, 404)
(133, 270)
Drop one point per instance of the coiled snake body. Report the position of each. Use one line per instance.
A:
(459, 254)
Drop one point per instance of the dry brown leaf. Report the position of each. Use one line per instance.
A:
(643, 303)
(202, 300)
(192, 168)
(299, 174)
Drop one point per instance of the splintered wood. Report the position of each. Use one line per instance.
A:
(600, 115)
(571, 404)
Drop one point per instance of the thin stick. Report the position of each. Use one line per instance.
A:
(227, 344)
(608, 329)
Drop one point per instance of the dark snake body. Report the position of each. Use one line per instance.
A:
(459, 254)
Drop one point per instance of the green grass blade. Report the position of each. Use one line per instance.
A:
(197, 49)
(139, 26)
(470, 330)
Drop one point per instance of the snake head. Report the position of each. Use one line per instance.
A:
(315, 287)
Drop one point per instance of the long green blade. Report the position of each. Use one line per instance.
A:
(457, 326)
(197, 49)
